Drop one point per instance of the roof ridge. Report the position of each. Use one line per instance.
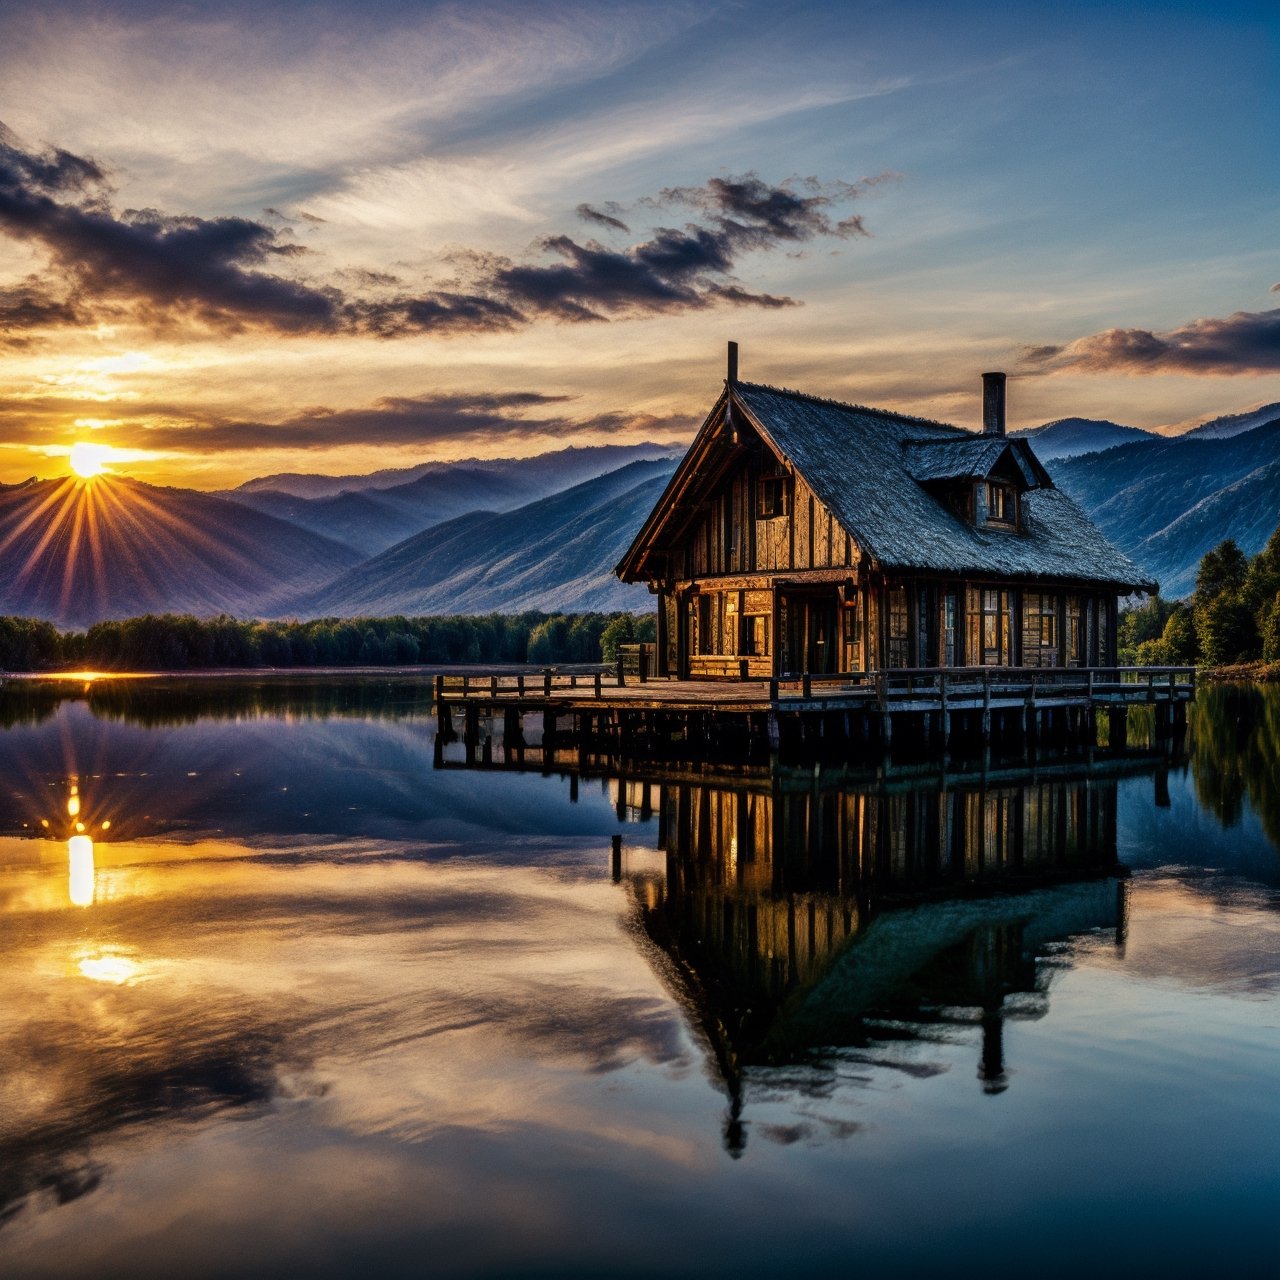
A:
(856, 408)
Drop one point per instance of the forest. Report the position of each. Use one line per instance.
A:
(1232, 616)
(180, 642)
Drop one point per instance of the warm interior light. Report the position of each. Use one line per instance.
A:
(89, 460)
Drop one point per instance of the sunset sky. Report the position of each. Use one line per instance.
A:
(244, 238)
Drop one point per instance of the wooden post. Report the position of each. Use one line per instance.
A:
(546, 682)
(598, 694)
(986, 707)
(1119, 725)
(615, 859)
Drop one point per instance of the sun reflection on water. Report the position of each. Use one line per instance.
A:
(109, 966)
(80, 883)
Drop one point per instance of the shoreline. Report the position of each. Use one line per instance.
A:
(1257, 672)
(420, 671)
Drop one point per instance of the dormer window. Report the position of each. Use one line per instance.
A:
(773, 497)
(1002, 504)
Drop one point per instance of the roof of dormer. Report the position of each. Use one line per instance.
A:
(978, 458)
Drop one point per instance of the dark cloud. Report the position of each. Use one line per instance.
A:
(29, 306)
(602, 218)
(207, 269)
(1246, 342)
(679, 269)
(470, 419)
(230, 274)
(752, 214)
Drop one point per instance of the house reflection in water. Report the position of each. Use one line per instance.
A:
(803, 924)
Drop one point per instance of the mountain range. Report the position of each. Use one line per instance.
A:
(535, 533)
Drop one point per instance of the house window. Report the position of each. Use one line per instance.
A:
(988, 612)
(1001, 504)
(758, 635)
(1075, 631)
(899, 648)
(947, 656)
(851, 634)
(1040, 629)
(773, 496)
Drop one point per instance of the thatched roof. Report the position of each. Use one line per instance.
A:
(875, 471)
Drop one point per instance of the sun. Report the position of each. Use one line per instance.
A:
(89, 460)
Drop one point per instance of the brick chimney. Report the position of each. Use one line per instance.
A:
(993, 404)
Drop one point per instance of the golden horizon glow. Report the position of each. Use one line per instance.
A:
(88, 460)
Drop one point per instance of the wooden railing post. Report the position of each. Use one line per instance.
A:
(598, 693)
(546, 682)
(806, 685)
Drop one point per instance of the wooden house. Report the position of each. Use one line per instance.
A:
(804, 535)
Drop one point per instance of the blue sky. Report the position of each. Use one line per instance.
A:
(360, 241)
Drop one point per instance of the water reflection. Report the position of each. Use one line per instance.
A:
(80, 881)
(819, 926)
(447, 1020)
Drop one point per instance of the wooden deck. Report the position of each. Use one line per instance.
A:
(934, 704)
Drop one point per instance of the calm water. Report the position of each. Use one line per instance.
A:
(297, 1001)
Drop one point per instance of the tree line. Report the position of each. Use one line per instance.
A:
(181, 642)
(1232, 616)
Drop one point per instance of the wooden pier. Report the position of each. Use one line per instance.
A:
(929, 710)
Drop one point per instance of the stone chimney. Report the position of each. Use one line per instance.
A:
(732, 370)
(993, 404)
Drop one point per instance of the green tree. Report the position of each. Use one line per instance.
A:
(1270, 630)
(1179, 637)
(1226, 629)
(621, 630)
(1222, 569)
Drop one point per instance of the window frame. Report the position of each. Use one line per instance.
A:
(773, 496)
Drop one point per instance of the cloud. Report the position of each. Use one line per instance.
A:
(1246, 342)
(589, 214)
(678, 268)
(230, 274)
(208, 269)
(467, 419)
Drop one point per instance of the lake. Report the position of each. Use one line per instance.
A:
(287, 992)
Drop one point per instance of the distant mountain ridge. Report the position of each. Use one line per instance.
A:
(1166, 501)
(371, 518)
(556, 554)
(76, 554)
(571, 464)
(1233, 424)
(1069, 437)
